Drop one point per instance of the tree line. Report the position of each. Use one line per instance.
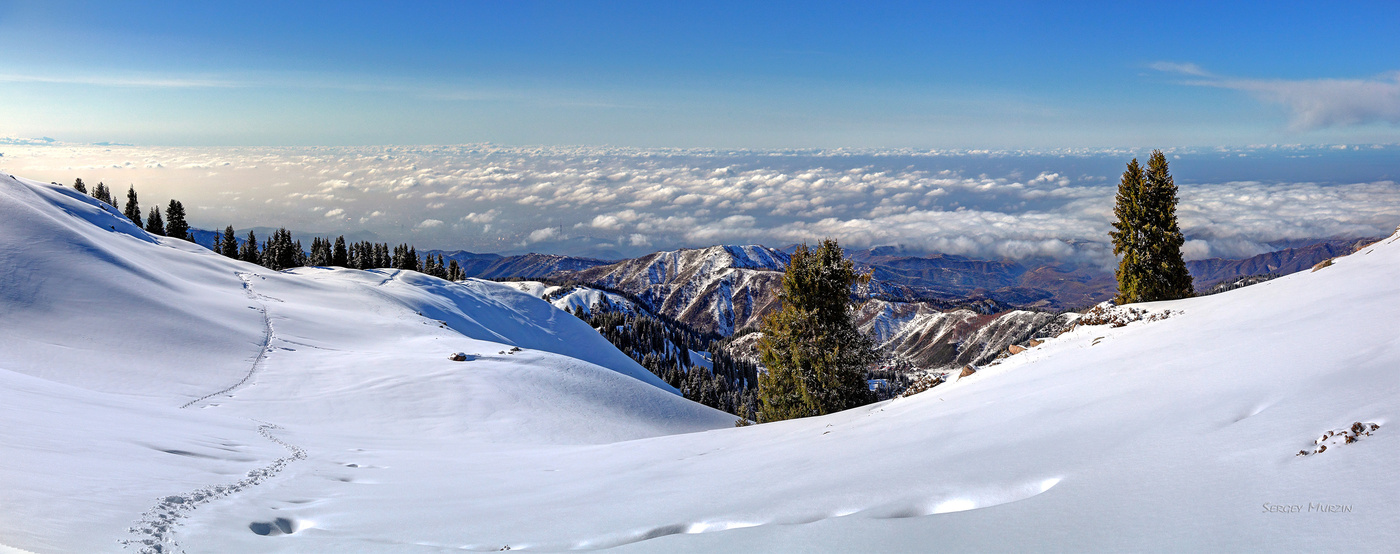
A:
(172, 225)
(279, 251)
(663, 347)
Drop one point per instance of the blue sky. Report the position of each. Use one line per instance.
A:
(720, 75)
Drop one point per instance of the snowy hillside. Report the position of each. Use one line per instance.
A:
(323, 416)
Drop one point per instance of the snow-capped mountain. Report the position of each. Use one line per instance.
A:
(929, 337)
(714, 290)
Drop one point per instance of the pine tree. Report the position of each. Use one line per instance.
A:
(154, 224)
(816, 357)
(455, 273)
(1129, 234)
(249, 252)
(133, 208)
(229, 246)
(100, 192)
(175, 225)
(1147, 236)
(339, 257)
(1171, 279)
(80, 187)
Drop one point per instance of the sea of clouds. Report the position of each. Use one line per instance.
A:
(617, 202)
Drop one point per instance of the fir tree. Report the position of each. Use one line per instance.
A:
(175, 225)
(133, 208)
(229, 246)
(1170, 278)
(339, 257)
(455, 273)
(80, 187)
(816, 358)
(100, 192)
(1147, 236)
(249, 252)
(154, 224)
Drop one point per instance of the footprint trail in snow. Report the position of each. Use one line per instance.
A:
(155, 532)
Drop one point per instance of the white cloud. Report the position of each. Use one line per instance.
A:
(1313, 103)
(541, 235)
(430, 223)
(335, 213)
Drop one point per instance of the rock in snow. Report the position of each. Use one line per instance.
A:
(319, 416)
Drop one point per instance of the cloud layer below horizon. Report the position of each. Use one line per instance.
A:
(625, 202)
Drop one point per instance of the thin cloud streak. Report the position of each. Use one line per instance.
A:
(1312, 104)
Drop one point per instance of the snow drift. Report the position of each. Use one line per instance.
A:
(332, 390)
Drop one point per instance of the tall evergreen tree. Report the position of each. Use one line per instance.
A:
(229, 245)
(133, 208)
(816, 357)
(100, 192)
(154, 224)
(79, 186)
(339, 257)
(249, 252)
(1170, 278)
(1147, 236)
(175, 225)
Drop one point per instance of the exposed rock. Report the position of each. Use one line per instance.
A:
(967, 370)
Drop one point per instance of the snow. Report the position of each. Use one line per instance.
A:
(1174, 434)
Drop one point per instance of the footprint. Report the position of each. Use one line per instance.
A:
(279, 526)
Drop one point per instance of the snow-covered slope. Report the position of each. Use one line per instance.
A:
(718, 289)
(574, 298)
(142, 342)
(1175, 434)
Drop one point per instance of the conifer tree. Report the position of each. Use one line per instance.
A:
(100, 192)
(816, 358)
(133, 208)
(1171, 279)
(80, 187)
(339, 257)
(1147, 236)
(154, 224)
(175, 225)
(249, 252)
(455, 273)
(229, 246)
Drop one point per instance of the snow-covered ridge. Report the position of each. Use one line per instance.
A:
(718, 289)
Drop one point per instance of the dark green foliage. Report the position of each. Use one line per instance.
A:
(100, 192)
(154, 224)
(249, 251)
(405, 257)
(133, 208)
(817, 359)
(1147, 236)
(280, 252)
(339, 256)
(175, 225)
(320, 252)
(663, 347)
(455, 271)
(79, 186)
(229, 245)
